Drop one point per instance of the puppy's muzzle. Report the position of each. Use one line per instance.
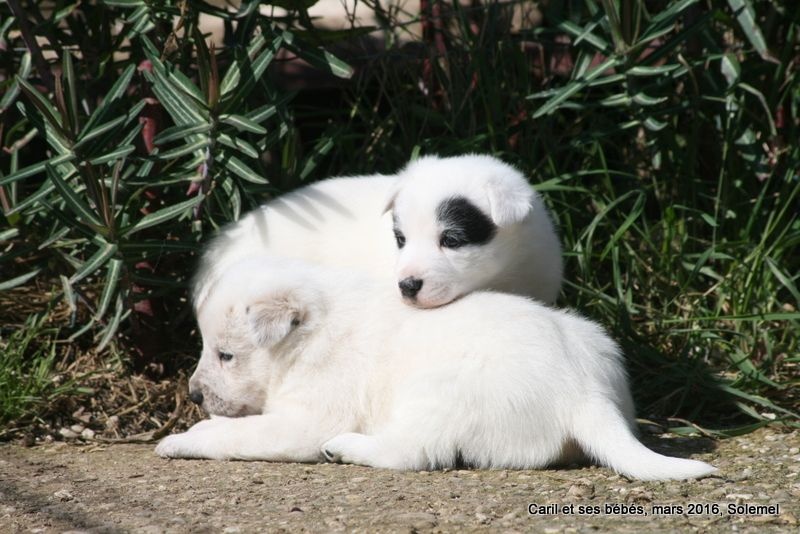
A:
(409, 287)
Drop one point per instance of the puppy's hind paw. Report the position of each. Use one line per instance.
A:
(351, 448)
(330, 456)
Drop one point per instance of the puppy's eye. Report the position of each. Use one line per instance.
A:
(450, 240)
(225, 356)
(400, 238)
(295, 322)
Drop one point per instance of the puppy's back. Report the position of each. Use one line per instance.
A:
(336, 222)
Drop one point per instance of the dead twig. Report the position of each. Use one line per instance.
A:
(152, 435)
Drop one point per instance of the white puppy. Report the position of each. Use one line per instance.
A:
(462, 223)
(337, 370)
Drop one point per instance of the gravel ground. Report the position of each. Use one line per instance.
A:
(120, 488)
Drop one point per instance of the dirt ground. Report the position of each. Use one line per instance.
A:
(125, 488)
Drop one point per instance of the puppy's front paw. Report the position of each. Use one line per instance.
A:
(175, 446)
(214, 439)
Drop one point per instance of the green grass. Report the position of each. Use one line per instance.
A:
(664, 138)
(29, 380)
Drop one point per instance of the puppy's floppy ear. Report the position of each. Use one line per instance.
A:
(272, 318)
(510, 197)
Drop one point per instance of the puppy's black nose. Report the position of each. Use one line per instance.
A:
(410, 286)
(196, 397)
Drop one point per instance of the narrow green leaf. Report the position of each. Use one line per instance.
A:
(182, 82)
(162, 215)
(634, 214)
(320, 150)
(45, 189)
(68, 73)
(176, 106)
(111, 328)
(69, 294)
(763, 101)
(262, 113)
(231, 79)
(784, 279)
(156, 248)
(654, 125)
(180, 131)
(756, 399)
(116, 91)
(320, 58)
(19, 280)
(124, 3)
(71, 199)
(255, 70)
(243, 123)
(745, 15)
(236, 166)
(188, 148)
(572, 88)
(57, 236)
(100, 130)
(36, 168)
(678, 39)
(664, 21)
(617, 100)
(44, 106)
(646, 100)
(119, 153)
(773, 316)
(112, 277)
(585, 34)
(730, 68)
(238, 144)
(13, 91)
(8, 234)
(97, 260)
(170, 90)
(643, 70)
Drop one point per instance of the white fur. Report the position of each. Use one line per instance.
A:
(341, 223)
(336, 369)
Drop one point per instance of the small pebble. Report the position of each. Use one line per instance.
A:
(68, 433)
(63, 495)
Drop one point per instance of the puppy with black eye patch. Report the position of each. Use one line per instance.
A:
(468, 223)
(459, 223)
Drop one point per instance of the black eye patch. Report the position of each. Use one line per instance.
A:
(464, 224)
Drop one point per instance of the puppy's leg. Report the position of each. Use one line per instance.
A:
(272, 437)
(388, 450)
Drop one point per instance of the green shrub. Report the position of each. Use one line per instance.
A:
(143, 146)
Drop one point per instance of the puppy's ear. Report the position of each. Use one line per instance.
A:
(510, 197)
(391, 196)
(272, 318)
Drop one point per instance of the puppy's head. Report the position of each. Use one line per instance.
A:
(453, 219)
(252, 319)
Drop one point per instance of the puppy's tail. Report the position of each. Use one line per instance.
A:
(604, 435)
